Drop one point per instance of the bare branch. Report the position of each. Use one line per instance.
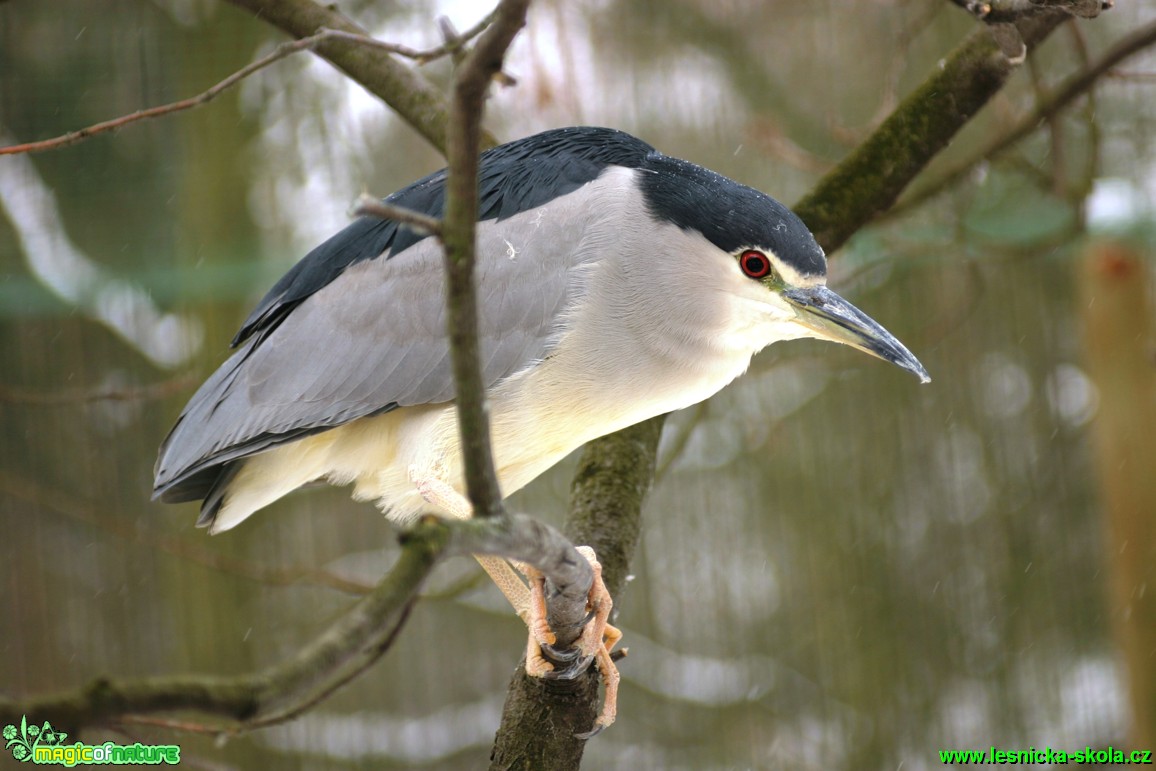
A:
(279, 53)
(540, 719)
(367, 205)
(339, 654)
(451, 47)
(461, 212)
(568, 576)
(72, 137)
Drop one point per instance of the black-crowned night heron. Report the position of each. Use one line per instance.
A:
(614, 284)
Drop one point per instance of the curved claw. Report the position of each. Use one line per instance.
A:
(597, 729)
(560, 656)
(595, 644)
(568, 664)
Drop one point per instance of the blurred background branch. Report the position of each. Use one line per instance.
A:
(1116, 304)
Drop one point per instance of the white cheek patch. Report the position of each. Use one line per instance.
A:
(790, 276)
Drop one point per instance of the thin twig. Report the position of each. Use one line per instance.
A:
(73, 137)
(463, 143)
(183, 726)
(451, 46)
(278, 53)
(568, 574)
(367, 205)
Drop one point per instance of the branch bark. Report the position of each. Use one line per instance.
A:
(340, 653)
(1008, 11)
(369, 206)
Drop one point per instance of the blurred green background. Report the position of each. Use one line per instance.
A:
(839, 569)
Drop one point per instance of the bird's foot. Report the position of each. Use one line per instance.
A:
(597, 640)
(598, 636)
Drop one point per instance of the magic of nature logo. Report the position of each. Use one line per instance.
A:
(44, 745)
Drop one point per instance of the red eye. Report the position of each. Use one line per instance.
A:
(754, 264)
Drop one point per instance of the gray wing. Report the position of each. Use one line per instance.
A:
(372, 340)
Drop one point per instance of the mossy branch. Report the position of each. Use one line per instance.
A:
(869, 180)
(1048, 108)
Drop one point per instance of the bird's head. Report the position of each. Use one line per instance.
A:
(773, 264)
(801, 305)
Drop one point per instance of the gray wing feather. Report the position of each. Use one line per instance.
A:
(374, 339)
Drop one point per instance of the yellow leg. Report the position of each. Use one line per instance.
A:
(598, 637)
(445, 497)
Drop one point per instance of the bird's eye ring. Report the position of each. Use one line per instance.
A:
(754, 263)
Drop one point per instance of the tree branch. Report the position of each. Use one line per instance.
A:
(463, 144)
(869, 180)
(1009, 11)
(409, 94)
(568, 573)
(367, 205)
(276, 693)
(73, 137)
(206, 96)
(1046, 109)
(452, 46)
(541, 719)
(339, 654)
